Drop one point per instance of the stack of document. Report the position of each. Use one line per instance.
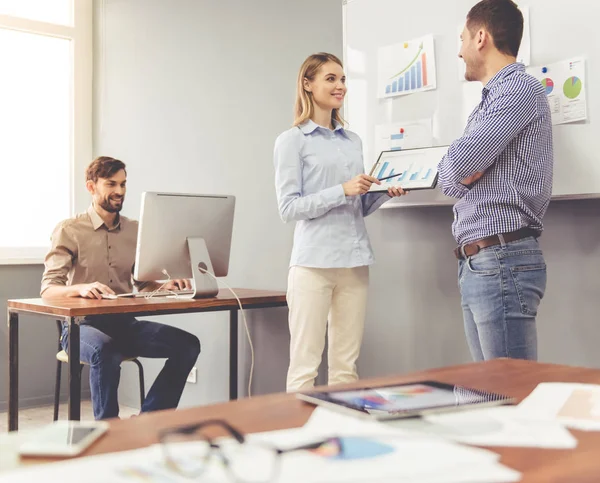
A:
(372, 452)
(426, 450)
(379, 453)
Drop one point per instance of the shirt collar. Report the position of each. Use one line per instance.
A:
(97, 221)
(503, 73)
(309, 126)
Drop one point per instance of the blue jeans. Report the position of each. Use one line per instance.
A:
(501, 288)
(106, 340)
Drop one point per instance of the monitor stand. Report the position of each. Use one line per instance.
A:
(204, 285)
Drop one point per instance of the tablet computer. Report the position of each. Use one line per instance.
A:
(409, 169)
(403, 400)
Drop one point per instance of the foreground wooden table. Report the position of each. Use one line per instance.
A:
(280, 411)
(74, 310)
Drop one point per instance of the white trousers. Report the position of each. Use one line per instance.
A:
(316, 296)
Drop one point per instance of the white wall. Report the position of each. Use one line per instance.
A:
(191, 95)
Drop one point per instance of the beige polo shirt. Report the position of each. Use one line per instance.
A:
(84, 250)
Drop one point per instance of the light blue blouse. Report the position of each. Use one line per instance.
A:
(311, 163)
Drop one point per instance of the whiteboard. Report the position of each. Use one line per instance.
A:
(559, 30)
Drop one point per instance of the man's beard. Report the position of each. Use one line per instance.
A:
(107, 206)
(472, 72)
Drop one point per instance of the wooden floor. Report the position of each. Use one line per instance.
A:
(35, 417)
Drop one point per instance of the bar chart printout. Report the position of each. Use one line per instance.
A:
(408, 169)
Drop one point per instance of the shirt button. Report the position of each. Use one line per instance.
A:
(110, 281)
(109, 247)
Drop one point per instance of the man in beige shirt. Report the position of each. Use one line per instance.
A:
(93, 254)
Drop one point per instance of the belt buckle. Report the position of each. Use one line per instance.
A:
(461, 250)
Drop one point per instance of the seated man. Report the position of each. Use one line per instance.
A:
(93, 254)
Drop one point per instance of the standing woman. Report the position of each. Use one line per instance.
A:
(320, 182)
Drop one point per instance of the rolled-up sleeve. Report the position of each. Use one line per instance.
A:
(293, 204)
(59, 260)
(508, 113)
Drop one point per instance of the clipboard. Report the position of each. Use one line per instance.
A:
(409, 169)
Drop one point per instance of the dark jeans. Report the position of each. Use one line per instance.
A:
(107, 340)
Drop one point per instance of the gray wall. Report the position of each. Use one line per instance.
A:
(414, 319)
(191, 94)
(38, 339)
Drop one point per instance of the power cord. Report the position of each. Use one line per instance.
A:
(152, 294)
(245, 327)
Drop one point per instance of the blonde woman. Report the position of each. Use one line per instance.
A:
(320, 182)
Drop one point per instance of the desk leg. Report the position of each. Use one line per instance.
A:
(74, 370)
(233, 354)
(13, 371)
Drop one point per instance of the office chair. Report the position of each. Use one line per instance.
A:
(62, 356)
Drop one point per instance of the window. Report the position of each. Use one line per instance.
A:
(45, 118)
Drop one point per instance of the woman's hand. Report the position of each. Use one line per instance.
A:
(395, 192)
(359, 185)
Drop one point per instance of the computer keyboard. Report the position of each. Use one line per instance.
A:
(158, 293)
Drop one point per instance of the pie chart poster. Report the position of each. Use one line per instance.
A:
(565, 84)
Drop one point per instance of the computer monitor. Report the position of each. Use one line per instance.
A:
(184, 236)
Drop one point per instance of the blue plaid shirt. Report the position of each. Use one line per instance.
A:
(509, 137)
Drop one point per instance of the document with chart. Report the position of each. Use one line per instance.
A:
(409, 169)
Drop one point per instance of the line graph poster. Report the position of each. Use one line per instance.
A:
(406, 68)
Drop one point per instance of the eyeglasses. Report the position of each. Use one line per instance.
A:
(188, 451)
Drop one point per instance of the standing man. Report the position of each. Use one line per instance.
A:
(93, 254)
(501, 172)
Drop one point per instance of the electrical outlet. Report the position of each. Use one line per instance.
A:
(192, 375)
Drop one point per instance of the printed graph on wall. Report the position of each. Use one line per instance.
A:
(564, 84)
(406, 67)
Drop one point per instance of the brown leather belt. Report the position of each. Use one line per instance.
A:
(470, 249)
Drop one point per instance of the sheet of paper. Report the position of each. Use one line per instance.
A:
(488, 473)
(408, 169)
(565, 86)
(501, 426)
(147, 466)
(406, 67)
(576, 406)
(380, 454)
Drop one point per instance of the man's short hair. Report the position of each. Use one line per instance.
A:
(502, 19)
(103, 167)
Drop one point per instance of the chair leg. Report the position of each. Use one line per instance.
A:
(142, 389)
(57, 388)
(58, 374)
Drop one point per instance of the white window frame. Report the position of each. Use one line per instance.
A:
(81, 35)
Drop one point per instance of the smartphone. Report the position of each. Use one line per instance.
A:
(62, 438)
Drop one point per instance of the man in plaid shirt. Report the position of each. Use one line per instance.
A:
(501, 172)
